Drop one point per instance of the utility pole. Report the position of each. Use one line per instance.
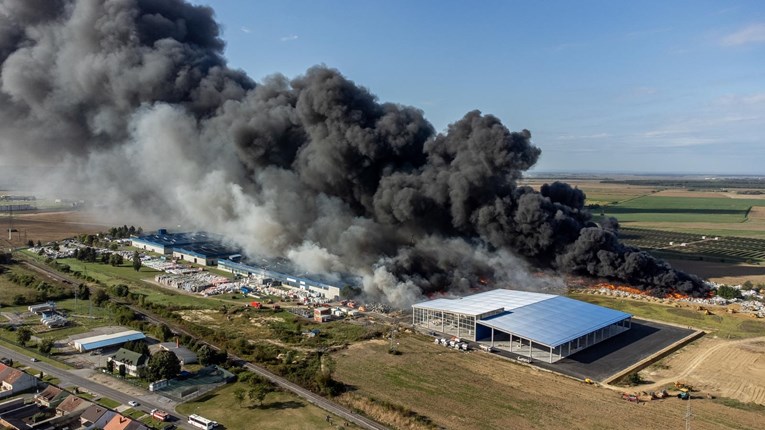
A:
(10, 222)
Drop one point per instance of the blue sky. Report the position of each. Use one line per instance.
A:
(604, 86)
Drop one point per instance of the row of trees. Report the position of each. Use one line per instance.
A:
(24, 335)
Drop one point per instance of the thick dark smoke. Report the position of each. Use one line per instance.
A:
(132, 104)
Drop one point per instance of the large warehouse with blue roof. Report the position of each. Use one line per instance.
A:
(535, 325)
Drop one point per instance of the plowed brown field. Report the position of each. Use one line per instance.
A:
(47, 226)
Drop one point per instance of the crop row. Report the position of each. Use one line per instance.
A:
(685, 243)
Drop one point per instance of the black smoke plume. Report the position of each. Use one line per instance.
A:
(131, 101)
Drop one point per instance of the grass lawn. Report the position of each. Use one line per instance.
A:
(9, 290)
(152, 422)
(280, 411)
(110, 274)
(133, 413)
(109, 403)
(86, 396)
(735, 326)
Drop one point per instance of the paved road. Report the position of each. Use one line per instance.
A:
(70, 379)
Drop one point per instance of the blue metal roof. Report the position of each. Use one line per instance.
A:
(205, 250)
(102, 341)
(554, 321)
(174, 240)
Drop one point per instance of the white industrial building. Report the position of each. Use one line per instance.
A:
(535, 325)
(106, 340)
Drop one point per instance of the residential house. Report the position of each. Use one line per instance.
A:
(51, 396)
(72, 405)
(96, 416)
(14, 381)
(123, 423)
(133, 361)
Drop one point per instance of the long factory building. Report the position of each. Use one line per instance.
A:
(206, 249)
(302, 283)
(540, 326)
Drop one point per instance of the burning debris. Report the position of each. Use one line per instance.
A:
(137, 100)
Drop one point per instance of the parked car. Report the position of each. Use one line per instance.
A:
(133, 403)
(34, 360)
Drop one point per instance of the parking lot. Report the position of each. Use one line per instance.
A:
(619, 352)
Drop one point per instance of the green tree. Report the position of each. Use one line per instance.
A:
(110, 366)
(239, 395)
(259, 393)
(83, 292)
(136, 261)
(122, 370)
(727, 292)
(163, 332)
(205, 355)
(747, 286)
(23, 335)
(163, 365)
(30, 243)
(121, 290)
(140, 346)
(39, 244)
(116, 260)
(634, 378)
(45, 346)
(323, 377)
(100, 297)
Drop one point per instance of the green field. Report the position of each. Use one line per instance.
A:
(110, 274)
(280, 411)
(682, 209)
(735, 326)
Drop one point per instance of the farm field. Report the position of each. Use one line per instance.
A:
(458, 390)
(718, 248)
(49, 226)
(734, 370)
(280, 411)
(598, 193)
(682, 209)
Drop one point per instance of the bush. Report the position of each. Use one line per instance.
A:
(634, 379)
(727, 292)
